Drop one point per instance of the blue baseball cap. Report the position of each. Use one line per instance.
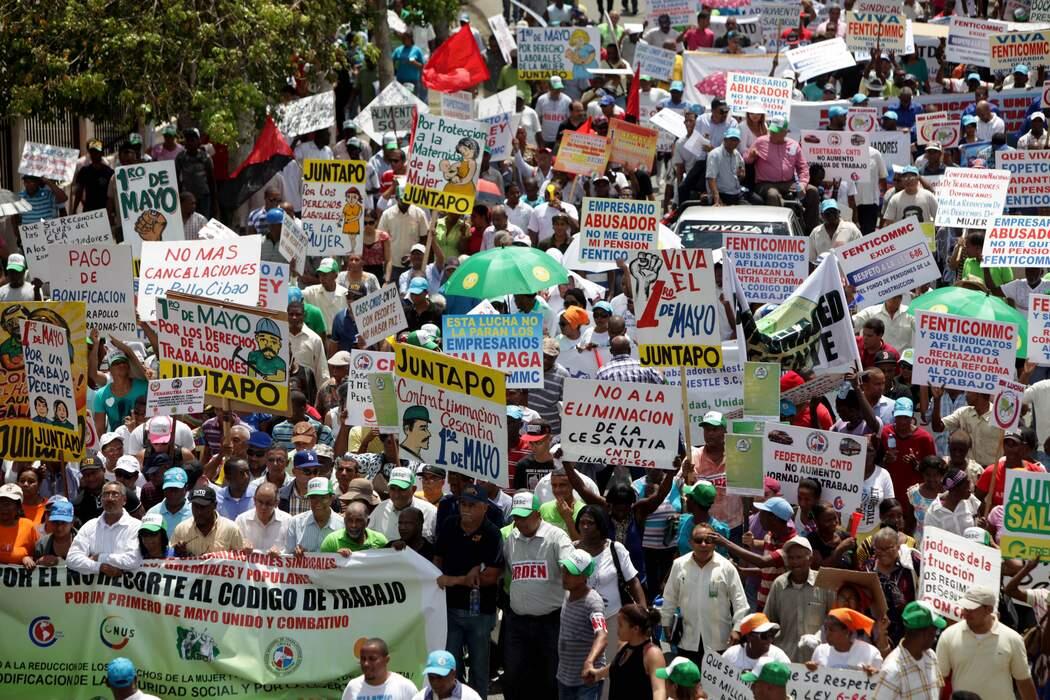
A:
(607, 100)
(837, 111)
(260, 440)
(859, 99)
(275, 215)
(305, 459)
(515, 412)
(778, 507)
(61, 512)
(175, 478)
(120, 673)
(732, 133)
(903, 407)
(969, 119)
(828, 204)
(294, 295)
(909, 170)
(418, 285)
(889, 114)
(604, 306)
(440, 663)
(677, 85)
(1021, 68)
(973, 76)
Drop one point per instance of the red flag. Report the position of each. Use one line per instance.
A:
(586, 128)
(634, 98)
(457, 64)
(268, 157)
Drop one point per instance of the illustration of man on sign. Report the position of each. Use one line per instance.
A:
(11, 349)
(581, 54)
(352, 211)
(416, 424)
(461, 173)
(265, 361)
(41, 409)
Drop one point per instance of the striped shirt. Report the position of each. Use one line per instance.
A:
(770, 548)
(903, 677)
(624, 368)
(44, 205)
(545, 400)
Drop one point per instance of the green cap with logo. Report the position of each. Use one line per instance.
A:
(681, 671)
(769, 671)
(524, 504)
(919, 616)
(703, 492)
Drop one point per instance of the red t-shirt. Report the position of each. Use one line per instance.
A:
(920, 444)
(697, 38)
(867, 359)
(804, 419)
(985, 482)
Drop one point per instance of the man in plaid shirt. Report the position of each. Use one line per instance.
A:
(910, 671)
(624, 368)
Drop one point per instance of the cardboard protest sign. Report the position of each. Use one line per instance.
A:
(497, 112)
(865, 119)
(971, 197)
(951, 565)
(1017, 241)
(175, 397)
(630, 144)
(712, 389)
(775, 17)
(273, 286)
(615, 229)
(457, 105)
(100, 276)
(936, 127)
(453, 413)
(836, 460)
(444, 163)
(1007, 49)
(654, 61)
(215, 230)
(511, 343)
(306, 115)
(1006, 404)
(817, 59)
(968, 40)
(721, 679)
(359, 407)
(504, 37)
(567, 52)
(381, 387)
(895, 147)
(842, 154)
(888, 262)
(1029, 177)
(379, 314)
(968, 354)
(333, 206)
(1025, 533)
(218, 270)
(393, 111)
(745, 89)
(670, 121)
(295, 243)
(675, 301)
(25, 432)
(148, 203)
(768, 268)
(868, 30)
(762, 390)
(681, 12)
(856, 685)
(582, 154)
(241, 351)
(623, 423)
(38, 238)
(1038, 338)
(49, 162)
(744, 471)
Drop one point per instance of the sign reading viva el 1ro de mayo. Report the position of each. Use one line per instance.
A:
(963, 353)
(148, 203)
(444, 163)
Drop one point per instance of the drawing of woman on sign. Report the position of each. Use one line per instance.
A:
(462, 173)
(581, 54)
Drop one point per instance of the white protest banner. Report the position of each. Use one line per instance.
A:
(241, 351)
(968, 40)
(865, 119)
(1007, 49)
(453, 413)
(817, 59)
(379, 314)
(1017, 241)
(895, 147)
(842, 154)
(218, 270)
(306, 115)
(835, 460)
(215, 230)
(721, 679)
(1038, 339)
(888, 262)
(744, 89)
(563, 51)
(497, 111)
(615, 229)
(1006, 404)
(670, 120)
(968, 354)
(273, 286)
(775, 17)
(768, 268)
(175, 397)
(49, 162)
(855, 685)
(704, 72)
(38, 238)
(457, 105)
(444, 163)
(867, 30)
(622, 423)
(952, 565)
(654, 61)
(582, 154)
(511, 343)
(504, 37)
(936, 127)
(971, 197)
(100, 276)
(681, 12)
(333, 206)
(1029, 177)
(720, 389)
(675, 297)
(148, 203)
(48, 359)
(359, 408)
(294, 243)
(393, 111)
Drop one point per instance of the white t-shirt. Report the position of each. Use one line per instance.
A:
(737, 656)
(876, 487)
(922, 205)
(465, 693)
(396, 688)
(552, 112)
(1018, 292)
(530, 121)
(23, 293)
(604, 579)
(860, 654)
(134, 443)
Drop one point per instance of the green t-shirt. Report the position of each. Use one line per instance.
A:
(314, 319)
(335, 541)
(1000, 275)
(117, 408)
(550, 513)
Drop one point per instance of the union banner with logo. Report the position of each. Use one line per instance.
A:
(235, 625)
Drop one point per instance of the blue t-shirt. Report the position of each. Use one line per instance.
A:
(685, 533)
(117, 408)
(403, 70)
(344, 330)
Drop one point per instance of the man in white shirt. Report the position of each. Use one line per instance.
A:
(306, 345)
(376, 679)
(869, 189)
(402, 491)
(407, 225)
(314, 147)
(265, 528)
(832, 233)
(500, 222)
(553, 108)
(527, 119)
(328, 295)
(541, 222)
(988, 122)
(1038, 137)
(1018, 292)
(912, 200)
(109, 544)
(894, 315)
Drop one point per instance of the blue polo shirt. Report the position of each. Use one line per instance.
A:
(172, 519)
(44, 206)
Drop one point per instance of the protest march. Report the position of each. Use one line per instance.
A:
(534, 350)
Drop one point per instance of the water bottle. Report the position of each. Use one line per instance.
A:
(475, 601)
(891, 442)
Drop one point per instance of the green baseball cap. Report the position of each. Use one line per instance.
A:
(703, 492)
(768, 671)
(524, 504)
(681, 671)
(318, 486)
(416, 413)
(919, 616)
(579, 562)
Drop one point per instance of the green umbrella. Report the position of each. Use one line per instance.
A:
(509, 270)
(970, 303)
